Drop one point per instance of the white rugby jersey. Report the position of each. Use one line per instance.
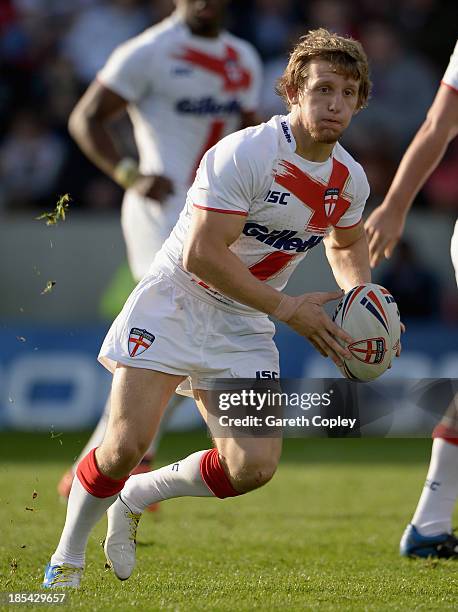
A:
(450, 77)
(289, 204)
(185, 93)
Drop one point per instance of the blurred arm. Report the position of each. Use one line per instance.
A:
(348, 256)
(386, 223)
(88, 126)
(426, 150)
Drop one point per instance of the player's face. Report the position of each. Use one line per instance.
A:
(327, 102)
(204, 17)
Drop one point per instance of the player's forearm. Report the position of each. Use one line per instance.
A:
(350, 265)
(95, 141)
(419, 161)
(219, 267)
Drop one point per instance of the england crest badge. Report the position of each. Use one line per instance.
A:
(139, 341)
(331, 196)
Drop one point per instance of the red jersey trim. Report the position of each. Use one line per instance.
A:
(221, 210)
(450, 86)
(348, 226)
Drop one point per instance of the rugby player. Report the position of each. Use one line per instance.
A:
(185, 83)
(430, 532)
(262, 198)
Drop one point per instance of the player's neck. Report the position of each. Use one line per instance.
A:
(306, 146)
(214, 33)
(204, 33)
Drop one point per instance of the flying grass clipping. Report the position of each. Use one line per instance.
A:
(53, 218)
(59, 213)
(49, 287)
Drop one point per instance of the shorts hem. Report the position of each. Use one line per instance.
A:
(110, 362)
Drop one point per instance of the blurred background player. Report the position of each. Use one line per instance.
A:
(430, 532)
(184, 83)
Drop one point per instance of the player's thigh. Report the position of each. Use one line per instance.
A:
(138, 399)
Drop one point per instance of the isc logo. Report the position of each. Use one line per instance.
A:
(277, 197)
(263, 374)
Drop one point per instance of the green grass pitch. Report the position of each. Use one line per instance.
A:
(323, 535)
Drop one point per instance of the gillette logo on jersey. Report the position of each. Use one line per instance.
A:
(284, 240)
(207, 106)
(286, 132)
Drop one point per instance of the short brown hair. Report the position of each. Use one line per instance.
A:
(346, 54)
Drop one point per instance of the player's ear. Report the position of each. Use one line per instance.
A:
(292, 94)
(358, 107)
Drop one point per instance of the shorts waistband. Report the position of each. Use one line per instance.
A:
(173, 275)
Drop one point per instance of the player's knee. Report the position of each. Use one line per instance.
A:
(122, 456)
(252, 473)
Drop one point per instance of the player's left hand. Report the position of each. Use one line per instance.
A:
(403, 329)
(399, 347)
(384, 228)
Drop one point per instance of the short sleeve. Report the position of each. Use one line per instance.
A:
(450, 77)
(361, 192)
(227, 180)
(126, 69)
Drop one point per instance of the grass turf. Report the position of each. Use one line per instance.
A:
(323, 535)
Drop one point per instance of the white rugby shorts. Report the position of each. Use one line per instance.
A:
(165, 328)
(146, 224)
(454, 250)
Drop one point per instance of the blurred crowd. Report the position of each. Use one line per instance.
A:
(50, 50)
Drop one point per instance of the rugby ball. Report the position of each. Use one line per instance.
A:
(370, 315)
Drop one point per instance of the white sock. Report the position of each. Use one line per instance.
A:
(179, 479)
(83, 512)
(435, 507)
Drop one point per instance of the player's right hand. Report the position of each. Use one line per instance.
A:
(384, 228)
(154, 186)
(310, 320)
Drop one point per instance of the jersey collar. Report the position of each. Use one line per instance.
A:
(286, 135)
(289, 142)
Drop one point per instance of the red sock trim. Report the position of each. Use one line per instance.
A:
(214, 476)
(92, 479)
(449, 434)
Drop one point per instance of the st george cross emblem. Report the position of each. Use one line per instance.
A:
(371, 350)
(331, 196)
(139, 341)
